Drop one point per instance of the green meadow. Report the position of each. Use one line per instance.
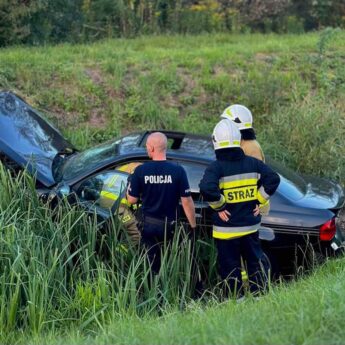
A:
(294, 85)
(56, 287)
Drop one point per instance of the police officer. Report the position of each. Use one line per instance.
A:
(234, 185)
(160, 185)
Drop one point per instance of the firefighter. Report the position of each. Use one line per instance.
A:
(160, 185)
(243, 119)
(105, 193)
(234, 185)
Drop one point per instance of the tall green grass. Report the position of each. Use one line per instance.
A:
(62, 275)
(61, 271)
(309, 311)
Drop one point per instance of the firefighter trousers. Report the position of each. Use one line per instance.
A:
(229, 263)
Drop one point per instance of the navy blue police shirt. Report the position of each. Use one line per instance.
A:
(159, 184)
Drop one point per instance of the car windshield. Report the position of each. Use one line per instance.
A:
(89, 160)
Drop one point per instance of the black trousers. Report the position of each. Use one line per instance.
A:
(229, 263)
(154, 234)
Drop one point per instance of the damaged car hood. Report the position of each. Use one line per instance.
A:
(28, 139)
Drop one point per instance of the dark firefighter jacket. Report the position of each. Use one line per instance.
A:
(237, 183)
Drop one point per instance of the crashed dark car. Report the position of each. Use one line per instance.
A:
(303, 211)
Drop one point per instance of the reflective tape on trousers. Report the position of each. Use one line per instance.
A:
(235, 229)
(229, 236)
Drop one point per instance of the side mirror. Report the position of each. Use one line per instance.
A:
(59, 192)
(63, 190)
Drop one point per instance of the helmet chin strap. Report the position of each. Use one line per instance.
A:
(248, 134)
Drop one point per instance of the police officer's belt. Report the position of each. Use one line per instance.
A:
(157, 221)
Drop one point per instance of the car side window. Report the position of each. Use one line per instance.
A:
(195, 172)
(104, 188)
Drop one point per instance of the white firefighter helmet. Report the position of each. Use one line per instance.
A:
(240, 115)
(225, 135)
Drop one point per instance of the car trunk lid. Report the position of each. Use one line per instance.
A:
(322, 193)
(309, 191)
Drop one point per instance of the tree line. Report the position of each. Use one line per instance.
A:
(37, 22)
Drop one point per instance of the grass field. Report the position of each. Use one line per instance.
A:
(309, 311)
(295, 86)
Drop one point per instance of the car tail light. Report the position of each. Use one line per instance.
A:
(327, 230)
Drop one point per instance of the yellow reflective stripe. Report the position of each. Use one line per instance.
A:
(266, 203)
(263, 193)
(228, 112)
(261, 199)
(109, 195)
(227, 235)
(218, 204)
(240, 190)
(242, 194)
(123, 167)
(114, 197)
(238, 183)
(224, 143)
(112, 181)
(124, 201)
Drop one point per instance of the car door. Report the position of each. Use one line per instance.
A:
(101, 193)
(195, 172)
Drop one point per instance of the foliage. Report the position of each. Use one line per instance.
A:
(97, 92)
(54, 21)
(13, 14)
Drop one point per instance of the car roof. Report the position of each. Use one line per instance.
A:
(182, 146)
(179, 144)
(199, 149)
